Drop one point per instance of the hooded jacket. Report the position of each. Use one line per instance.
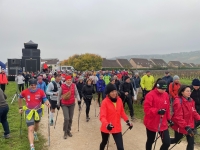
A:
(101, 85)
(154, 101)
(111, 114)
(147, 82)
(195, 95)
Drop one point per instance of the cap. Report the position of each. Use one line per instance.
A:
(161, 84)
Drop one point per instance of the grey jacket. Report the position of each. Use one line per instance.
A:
(3, 102)
(51, 92)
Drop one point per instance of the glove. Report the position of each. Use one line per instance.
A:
(189, 131)
(161, 111)
(171, 123)
(58, 106)
(109, 127)
(129, 124)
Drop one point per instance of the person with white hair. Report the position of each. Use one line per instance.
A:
(45, 79)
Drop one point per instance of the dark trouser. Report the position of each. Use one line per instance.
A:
(80, 95)
(87, 103)
(164, 137)
(3, 87)
(3, 119)
(21, 87)
(95, 87)
(100, 94)
(26, 84)
(68, 112)
(129, 102)
(178, 136)
(144, 93)
(117, 137)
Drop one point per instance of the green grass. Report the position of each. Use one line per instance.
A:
(139, 113)
(17, 142)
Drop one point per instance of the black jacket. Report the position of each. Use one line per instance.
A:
(87, 92)
(27, 77)
(117, 84)
(195, 95)
(126, 87)
(80, 87)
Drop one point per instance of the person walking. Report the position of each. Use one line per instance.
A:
(147, 83)
(106, 77)
(100, 89)
(45, 79)
(94, 80)
(20, 81)
(137, 84)
(126, 92)
(87, 92)
(184, 117)
(174, 87)
(195, 95)
(66, 99)
(168, 79)
(4, 109)
(3, 80)
(52, 91)
(33, 109)
(157, 115)
(117, 82)
(79, 86)
(111, 112)
(41, 84)
(27, 78)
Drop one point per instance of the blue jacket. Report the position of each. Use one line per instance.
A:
(137, 81)
(101, 85)
(168, 79)
(42, 86)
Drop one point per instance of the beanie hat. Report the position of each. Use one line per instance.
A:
(109, 88)
(196, 82)
(126, 77)
(32, 81)
(176, 77)
(68, 77)
(161, 84)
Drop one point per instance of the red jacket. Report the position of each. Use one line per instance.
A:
(3, 78)
(184, 114)
(173, 89)
(111, 114)
(65, 89)
(155, 101)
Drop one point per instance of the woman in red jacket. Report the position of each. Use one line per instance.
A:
(111, 112)
(184, 117)
(157, 115)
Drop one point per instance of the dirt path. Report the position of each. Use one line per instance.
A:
(89, 138)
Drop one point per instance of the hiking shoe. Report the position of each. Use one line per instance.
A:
(32, 148)
(35, 137)
(132, 118)
(69, 134)
(65, 135)
(87, 119)
(7, 136)
(51, 123)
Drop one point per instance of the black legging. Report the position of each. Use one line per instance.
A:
(100, 94)
(3, 87)
(129, 102)
(117, 137)
(21, 87)
(26, 84)
(80, 95)
(178, 136)
(87, 103)
(164, 137)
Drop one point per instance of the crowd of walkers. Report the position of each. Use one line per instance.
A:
(166, 103)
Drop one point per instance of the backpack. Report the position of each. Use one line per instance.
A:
(55, 86)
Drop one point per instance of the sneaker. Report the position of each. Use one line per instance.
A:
(87, 119)
(32, 148)
(65, 135)
(7, 136)
(35, 137)
(69, 134)
(51, 123)
(132, 118)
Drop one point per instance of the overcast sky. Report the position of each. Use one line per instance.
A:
(109, 28)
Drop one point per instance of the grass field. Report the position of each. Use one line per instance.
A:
(16, 142)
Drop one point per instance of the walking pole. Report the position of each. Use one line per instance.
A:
(95, 105)
(56, 119)
(48, 128)
(124, 132)
(98, 114)
(80, 115)
(21, 126)
(161, 117)
(158, 137)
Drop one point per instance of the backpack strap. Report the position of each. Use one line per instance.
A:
(181, 100)
(55, 89)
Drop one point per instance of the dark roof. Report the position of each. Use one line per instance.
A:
(141, 61)
(30, 45)
(124, 63)
(175, 63)
(110, 64)
(187, 65)
(50, 61)
(159, 62)
(192, 64)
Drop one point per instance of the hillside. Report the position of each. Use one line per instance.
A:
(188, 57)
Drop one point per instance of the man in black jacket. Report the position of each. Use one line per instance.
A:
(126, 91)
